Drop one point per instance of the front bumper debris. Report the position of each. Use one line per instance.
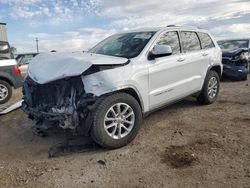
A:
(63, 101)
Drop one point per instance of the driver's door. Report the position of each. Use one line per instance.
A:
(165, 73)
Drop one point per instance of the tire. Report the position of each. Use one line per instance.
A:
(103, 111)
(205, 97)
(5, 92)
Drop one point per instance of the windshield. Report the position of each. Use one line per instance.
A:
(127, 45)
(4, 51)
(233, 44)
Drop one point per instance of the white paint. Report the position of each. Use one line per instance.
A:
(7, 62)
(48, 67)
(157, 82)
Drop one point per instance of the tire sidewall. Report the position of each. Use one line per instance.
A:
(98, 132)
(210, 75)
(7, 85)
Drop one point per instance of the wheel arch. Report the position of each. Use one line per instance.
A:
(216, 68)
(131, 91)
(6, 80)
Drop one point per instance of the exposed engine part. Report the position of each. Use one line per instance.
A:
(64, 102)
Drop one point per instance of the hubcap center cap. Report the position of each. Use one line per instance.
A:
(119, 120)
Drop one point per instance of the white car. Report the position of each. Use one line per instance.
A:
(106, 91)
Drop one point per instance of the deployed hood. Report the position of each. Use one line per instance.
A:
(48, 67)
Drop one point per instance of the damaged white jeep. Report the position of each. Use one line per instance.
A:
(106, 91)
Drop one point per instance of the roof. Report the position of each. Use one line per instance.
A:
(170, 27)
(234, 39)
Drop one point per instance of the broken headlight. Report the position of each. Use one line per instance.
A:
(244, 56)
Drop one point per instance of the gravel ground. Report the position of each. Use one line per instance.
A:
(183, 145)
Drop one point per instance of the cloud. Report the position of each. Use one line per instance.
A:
(232, 31)
(82, 39)
(161, 12)
(19, 1)
(224, 18)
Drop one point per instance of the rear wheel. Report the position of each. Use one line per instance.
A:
(5, 92)
(116, 120)
(210, 89)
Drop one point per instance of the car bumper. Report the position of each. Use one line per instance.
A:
(235, 72)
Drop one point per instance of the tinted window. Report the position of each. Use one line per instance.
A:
(127, 45)
(171, 39)
(26, 59)
(190, 41)
(206, 41)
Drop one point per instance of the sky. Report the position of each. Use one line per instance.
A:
(76, 25)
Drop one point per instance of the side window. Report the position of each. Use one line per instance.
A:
(206, 41)
(171, 38)
(26, 59)
(190, 41)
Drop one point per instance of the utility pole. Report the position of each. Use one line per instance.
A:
(37, 48)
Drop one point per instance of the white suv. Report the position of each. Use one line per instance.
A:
(106, 91)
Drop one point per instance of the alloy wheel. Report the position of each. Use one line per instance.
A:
(119, 120)
(212, 87)
(3, 92)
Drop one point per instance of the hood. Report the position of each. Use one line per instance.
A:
(229, 52)
(48, 67)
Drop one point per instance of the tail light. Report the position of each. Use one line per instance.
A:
(16, 69)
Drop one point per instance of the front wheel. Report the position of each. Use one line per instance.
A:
(210, 89)
(116, 120)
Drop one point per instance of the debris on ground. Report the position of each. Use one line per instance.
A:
(10, 108)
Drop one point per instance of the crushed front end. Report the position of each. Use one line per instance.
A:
(235, 64)
(63, 102)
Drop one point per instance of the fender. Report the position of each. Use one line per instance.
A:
(4, 75)
(216, 67)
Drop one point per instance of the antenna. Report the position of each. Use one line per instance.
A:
(37, 48)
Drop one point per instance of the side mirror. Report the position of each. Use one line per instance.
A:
(160, 51)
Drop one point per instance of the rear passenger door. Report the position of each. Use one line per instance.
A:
(209, 52)
(194, 61)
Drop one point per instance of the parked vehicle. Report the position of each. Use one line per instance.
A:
(235, 58)
(106, 91)
(23, 61)
(9, 73)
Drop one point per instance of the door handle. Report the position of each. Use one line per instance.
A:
(205, 54)
(181, 59)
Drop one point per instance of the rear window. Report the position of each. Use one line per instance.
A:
(190, 41)
(206, 41)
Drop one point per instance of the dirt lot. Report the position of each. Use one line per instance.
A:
(184, 145)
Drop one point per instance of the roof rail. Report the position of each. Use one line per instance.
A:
(188, 26)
